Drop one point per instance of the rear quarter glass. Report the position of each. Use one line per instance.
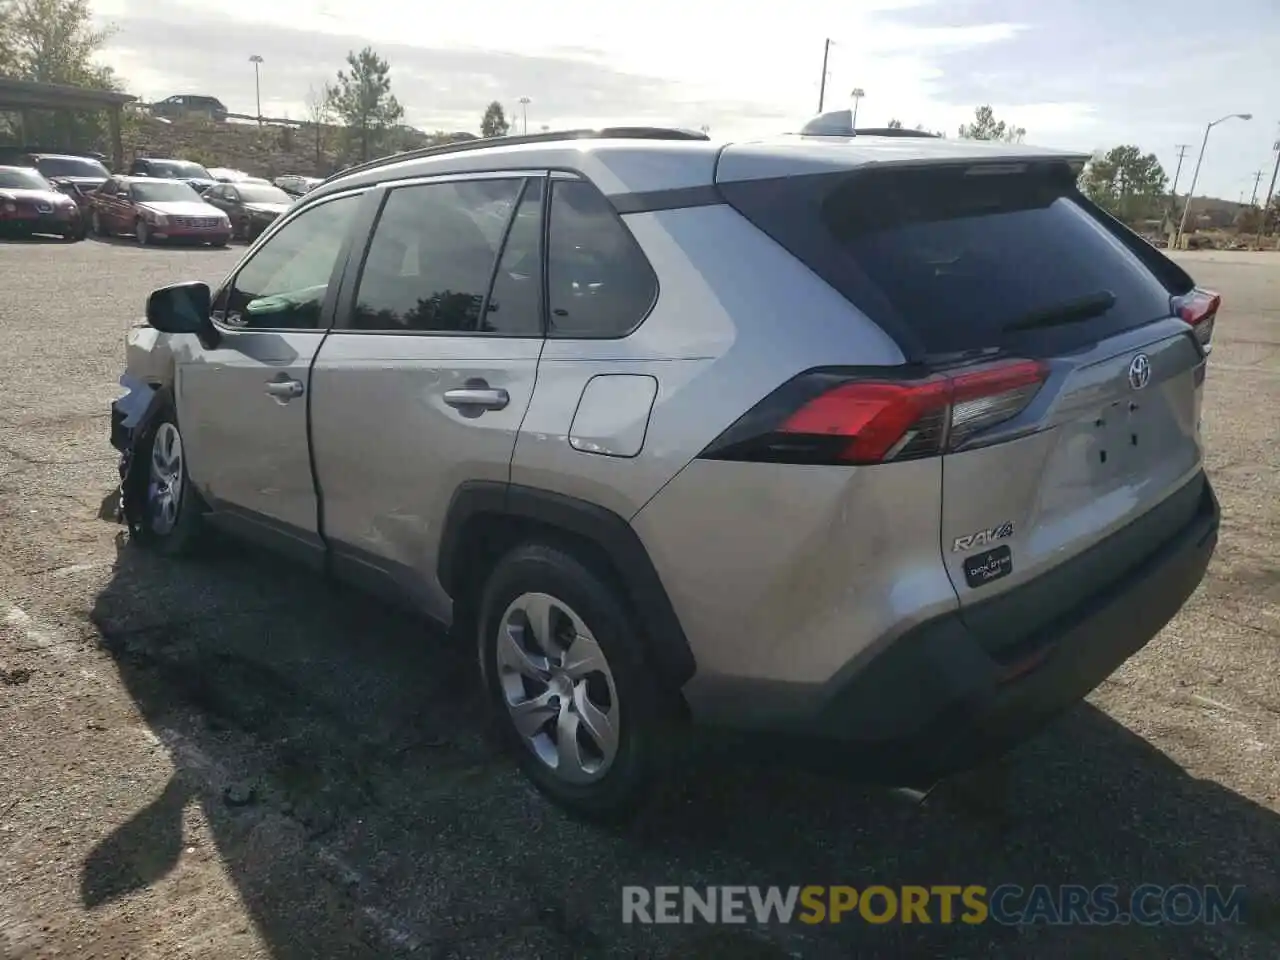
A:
(946, 258)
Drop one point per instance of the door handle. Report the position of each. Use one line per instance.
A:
(485, 398)
(285, 389)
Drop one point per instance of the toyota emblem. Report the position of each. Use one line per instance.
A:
(1139, 371)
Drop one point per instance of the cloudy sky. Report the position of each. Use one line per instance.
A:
(1086, 74)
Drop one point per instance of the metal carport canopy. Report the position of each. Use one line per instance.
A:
(25, 95)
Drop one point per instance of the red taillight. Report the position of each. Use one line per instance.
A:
(1199, 308)
(827, 418)
(872, 416)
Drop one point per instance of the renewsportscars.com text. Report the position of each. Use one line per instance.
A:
(1008, 904)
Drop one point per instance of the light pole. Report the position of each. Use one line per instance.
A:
(857, 93)
(257, 84)
(524, 109)
(1191, 193)
(822, 87)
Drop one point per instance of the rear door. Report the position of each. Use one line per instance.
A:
(427, 375)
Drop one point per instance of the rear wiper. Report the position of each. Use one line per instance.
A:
(1073, 311)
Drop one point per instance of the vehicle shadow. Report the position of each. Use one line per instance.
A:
(36, 239)
(128, 240)
(343, 766)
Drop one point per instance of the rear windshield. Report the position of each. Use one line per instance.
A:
(956, 259)
(71, 167)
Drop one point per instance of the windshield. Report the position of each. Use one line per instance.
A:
(262, 193)
(180, 168)
(23, 180)
(71, 167)
(164, 193)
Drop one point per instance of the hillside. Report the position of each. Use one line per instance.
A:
(267, 151)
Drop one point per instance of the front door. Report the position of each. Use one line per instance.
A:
(243, 406)
(428, 372)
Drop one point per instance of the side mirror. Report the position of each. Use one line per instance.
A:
(184, 308)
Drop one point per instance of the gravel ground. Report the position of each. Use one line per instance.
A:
(229, 759)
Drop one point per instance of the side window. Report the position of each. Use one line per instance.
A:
(515, 302)
(432, 256)
(599, 284)
(230, 193)
(283, 284)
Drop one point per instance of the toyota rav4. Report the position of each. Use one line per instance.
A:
(882, 438)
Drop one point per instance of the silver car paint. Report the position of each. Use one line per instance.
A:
(246, 448)
(712, 341)
(781, 575)
(390, 453)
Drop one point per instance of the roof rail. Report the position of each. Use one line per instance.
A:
(462, 146)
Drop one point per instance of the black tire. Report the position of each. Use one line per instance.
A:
(142, 233)
(643, 716)
(186, 534)
(98, 228)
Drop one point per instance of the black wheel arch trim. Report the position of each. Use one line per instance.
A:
(607, 531)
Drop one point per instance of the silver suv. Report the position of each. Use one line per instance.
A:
(888, 439)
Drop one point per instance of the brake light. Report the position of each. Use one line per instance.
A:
(825, 417)
(1199, 308)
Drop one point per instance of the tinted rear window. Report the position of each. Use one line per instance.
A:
(71, 167)
(952, 258)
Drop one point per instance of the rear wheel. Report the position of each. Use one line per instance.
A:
(563, 666)
(99, 228)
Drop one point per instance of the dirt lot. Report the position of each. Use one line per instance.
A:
(231, 760)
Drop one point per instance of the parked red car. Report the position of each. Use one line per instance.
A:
(30, 204)
(152, 209)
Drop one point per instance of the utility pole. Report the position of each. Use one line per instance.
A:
(1182, 149)
(1257, 179)
(1177, 172)
(822, 87)
(1266, 207)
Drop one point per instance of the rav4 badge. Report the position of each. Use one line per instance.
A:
(983, 537)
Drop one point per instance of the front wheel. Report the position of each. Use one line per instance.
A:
(563, 666)
(172, 510)
(98, 228)
(143, 233)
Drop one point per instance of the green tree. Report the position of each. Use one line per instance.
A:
(985, 126)
(894, 124)
(55, 41)
(1127, 183)
(494, 123)
(363, 100)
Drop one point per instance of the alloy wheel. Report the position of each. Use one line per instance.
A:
(164, 490)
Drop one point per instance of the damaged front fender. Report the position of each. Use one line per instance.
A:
(131, 418)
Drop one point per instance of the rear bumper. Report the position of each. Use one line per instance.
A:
(936, 701)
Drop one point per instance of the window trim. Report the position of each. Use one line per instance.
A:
(334, 290)
(345, 308)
